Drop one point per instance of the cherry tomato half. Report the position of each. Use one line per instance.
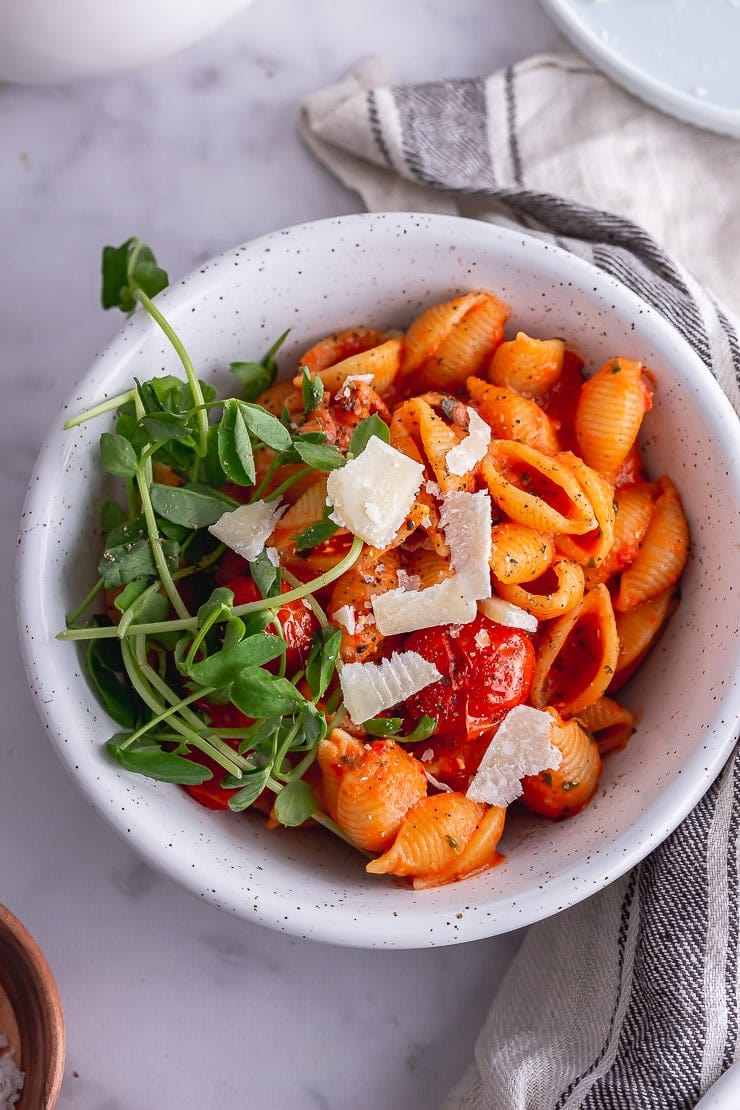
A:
(487, 670)
(297, 620)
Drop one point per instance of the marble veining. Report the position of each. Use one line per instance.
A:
(170, 1003)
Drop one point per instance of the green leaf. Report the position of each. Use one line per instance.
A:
(235, 446)
(187, 506)
(295, 803)
(313, 727)
(266, 575)
(265, 426)
(224, 666)
(167, 426)
(426, 727)
(117, 456)
(316, 533)
(370, 426)
(319, 456)
(214, 473)
(127, 268)
(260, 694)
(133, 559)
(255, 378)
(152, 761)
(322, 659)
(130, 593)
(220, 601)
(111, 516)
(258, 376)
(383, 726)
(391, 726)
(312, 391)
(254, 783)
(108, 676)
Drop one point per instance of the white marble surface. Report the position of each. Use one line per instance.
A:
(169, 1002)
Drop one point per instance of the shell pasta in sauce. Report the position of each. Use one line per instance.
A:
(439, 559)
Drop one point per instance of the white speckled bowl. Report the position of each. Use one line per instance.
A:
(385, 269)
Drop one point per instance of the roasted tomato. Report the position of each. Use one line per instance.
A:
(297, 621)
(487, 669)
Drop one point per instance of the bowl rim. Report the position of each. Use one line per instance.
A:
(403, 931)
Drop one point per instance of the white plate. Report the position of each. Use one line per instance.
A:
(679, 55)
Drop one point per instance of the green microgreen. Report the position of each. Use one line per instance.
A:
(181, 648)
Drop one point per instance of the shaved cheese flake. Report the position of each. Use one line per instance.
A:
(346, 617)
(273, 556)
(461, 458)
(247, 529)
(344, 390)
(445, 602)
(442, 786)
(372, 494)
(466, 520)
(369, 688)
(522, 746)
(503, 612)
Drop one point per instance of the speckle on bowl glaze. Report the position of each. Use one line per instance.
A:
(383, 269)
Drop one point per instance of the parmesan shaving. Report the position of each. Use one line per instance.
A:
(247, 529)
(401, 610)
(372, 494)
(466, 520)
(344, 390)
(346, 617)
(442, 786)
(369, 688)
(504, 612)
(461, 458)
(522, 746)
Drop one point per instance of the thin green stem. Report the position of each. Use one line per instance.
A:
(195, 389)
(156, 544)
(190, 624)
(164, 716)
(85, 602)
(299, 474)
(100, 409)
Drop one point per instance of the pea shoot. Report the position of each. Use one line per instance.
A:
(177, 646)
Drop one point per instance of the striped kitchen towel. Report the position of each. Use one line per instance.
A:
(650, 994)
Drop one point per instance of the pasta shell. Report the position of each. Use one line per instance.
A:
(611, 724)
(512, 416)
(443, 838)
(564, 791)
(663, 552)
(430, 331)
(519, 554)
(610, 410)
(375, 572)
(279, 396)
(536, 490)
(530, 366)
(638, 630)
(383, 362)
(433, 438)
(634, 507)
(590, 549)
(577, 657)
(337, 348)
(369, 787)
(556, 592)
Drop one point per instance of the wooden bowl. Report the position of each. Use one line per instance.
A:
(30, 1015)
